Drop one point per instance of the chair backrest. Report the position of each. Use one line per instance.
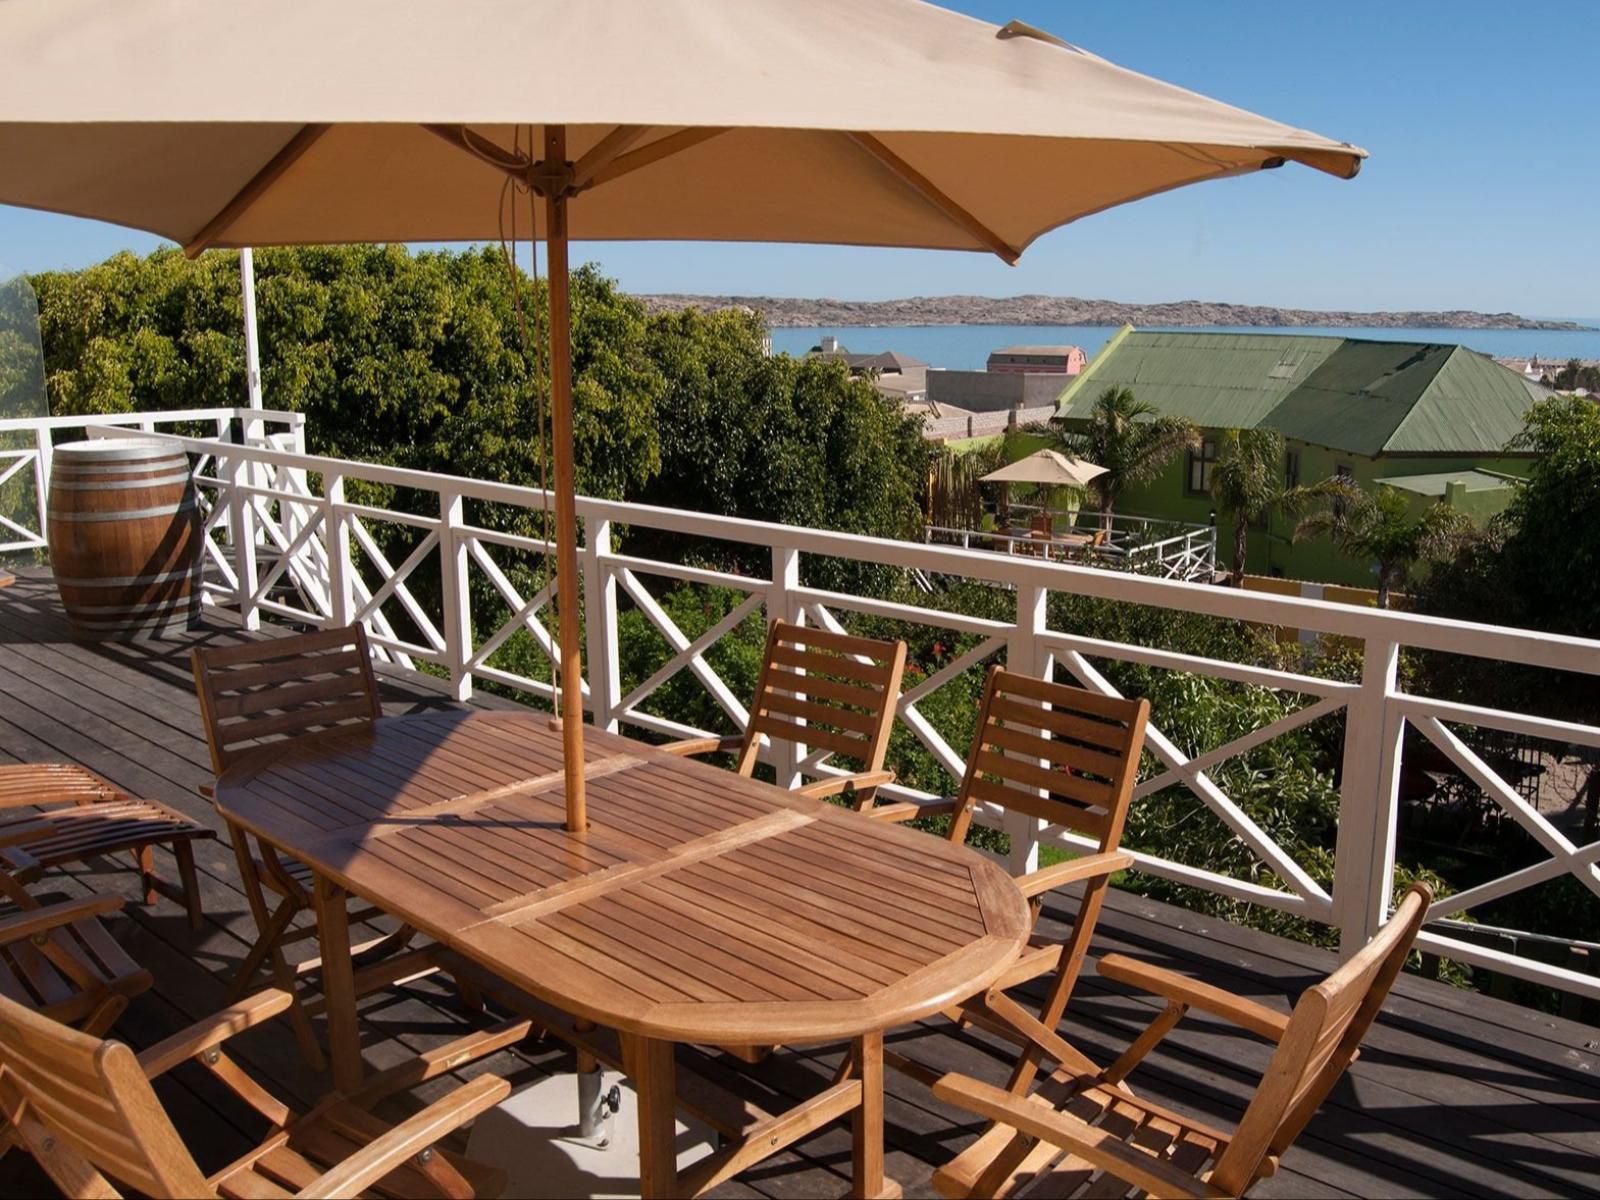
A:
(1055, 752)
(845, 689)
(283, 686)
(1324, 1033)
(94, 1099)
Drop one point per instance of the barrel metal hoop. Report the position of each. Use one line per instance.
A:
(134, 514)
(127, 580)
(119, 485)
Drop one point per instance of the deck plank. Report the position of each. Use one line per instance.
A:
(1455, 1094)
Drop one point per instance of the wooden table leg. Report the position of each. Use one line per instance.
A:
(867, 1178)
(649, 1063)
(338, 983)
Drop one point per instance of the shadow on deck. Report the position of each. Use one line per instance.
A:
(1455, 1094)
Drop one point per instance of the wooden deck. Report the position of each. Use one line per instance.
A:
(1455, 1095)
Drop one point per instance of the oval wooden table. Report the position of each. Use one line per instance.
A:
(699, 907)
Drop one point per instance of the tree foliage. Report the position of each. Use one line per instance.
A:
(1378, 527)
(1538, 568)
(1575, 375)
(1247, 483)
(417, 360)
(1130, 439)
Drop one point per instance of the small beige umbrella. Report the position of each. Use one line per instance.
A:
(1048, 468)
(892, 123)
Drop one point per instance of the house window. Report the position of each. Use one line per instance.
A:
(1200, 463)
(1291, 469)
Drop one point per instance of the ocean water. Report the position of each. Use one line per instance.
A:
(967, 347)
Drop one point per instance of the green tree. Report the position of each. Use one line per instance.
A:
(1380, 529)
(1576, 375)
(1131, 440)
(1247, 483)
(1539, 566)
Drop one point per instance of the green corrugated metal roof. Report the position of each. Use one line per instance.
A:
(1434, 485)
(1362, 397)
(1473, 404)
(1221, 380)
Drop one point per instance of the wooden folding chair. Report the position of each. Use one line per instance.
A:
(1065, 756)
(86, 1110)
(278, 689)
(86, 816)
(1085, 1133)
(844, 688)
(58, 960)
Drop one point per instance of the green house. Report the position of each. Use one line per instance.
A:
(1430, 420)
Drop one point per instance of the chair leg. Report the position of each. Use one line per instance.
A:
(147, 874)
(305, 1033)
(267, 944)
(183, 851)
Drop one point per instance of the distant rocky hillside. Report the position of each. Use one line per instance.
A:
(1069, 310)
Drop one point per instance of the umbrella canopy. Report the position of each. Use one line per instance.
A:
(889, 123)
(893, 123)
(1047, 467)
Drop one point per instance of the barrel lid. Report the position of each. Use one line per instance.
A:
(115, 448)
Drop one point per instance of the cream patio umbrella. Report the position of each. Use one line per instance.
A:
(889, 123)
(1048, 468)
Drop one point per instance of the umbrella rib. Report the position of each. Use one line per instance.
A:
(604, 152)
(253, 191)
(673, 143)
(484, 149)
(934, 195)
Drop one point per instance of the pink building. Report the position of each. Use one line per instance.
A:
(1037, 360)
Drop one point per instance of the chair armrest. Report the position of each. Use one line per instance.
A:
(23, 866)
(910, 810)
(834, 785)
(34, 922)
(1257, 1018)
(1039, 1119)
(213, 1031)
(375, 1160)
(706, 745)
(1089, 866)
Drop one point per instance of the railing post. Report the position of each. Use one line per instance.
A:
(336, 536)
(782, 603)
(600, 624)
(1027, 656)
(1363, 868)
(44, 448)
(457, 602)
(242, 526)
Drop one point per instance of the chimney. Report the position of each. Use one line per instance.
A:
(830, 345)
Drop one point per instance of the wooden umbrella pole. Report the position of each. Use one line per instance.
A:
(555, 209)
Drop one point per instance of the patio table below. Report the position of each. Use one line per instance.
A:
(699, 907)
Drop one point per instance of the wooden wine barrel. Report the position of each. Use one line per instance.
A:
(124, 534)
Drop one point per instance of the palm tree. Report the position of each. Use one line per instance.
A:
(1379, 528)
(1130, 439)
(1248, 482)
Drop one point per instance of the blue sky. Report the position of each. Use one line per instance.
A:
(1482, 190)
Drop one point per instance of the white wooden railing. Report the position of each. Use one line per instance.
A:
(1150, 545)
(288, 542)
(27, 450)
